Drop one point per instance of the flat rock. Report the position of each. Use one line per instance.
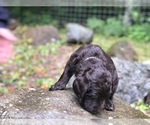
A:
(58, 106)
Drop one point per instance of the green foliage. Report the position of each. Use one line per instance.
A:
(31, 15)
(139, 32)
(44, 81)
(15, 11)
(114, 27)
(96, 24)
(45, 50)
(34, 19)
(49, 48)
(142, 107)
(3, 90)
(136, 16)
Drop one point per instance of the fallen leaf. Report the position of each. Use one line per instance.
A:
(31, 85)
(10, 89)
(44, 86)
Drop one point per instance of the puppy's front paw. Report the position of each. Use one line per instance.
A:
(109, 105)
(56, 87)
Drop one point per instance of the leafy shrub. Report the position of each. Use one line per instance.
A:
(31, 16)
(96, 24)
(142, 107)
(137, 16)
(114, 27)
(139, 32)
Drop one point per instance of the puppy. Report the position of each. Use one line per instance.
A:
(96, 78)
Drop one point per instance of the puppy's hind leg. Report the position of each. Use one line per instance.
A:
(61, 83)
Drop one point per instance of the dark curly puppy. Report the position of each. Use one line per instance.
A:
(96, 78)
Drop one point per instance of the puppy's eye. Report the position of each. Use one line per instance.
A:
(107, 83)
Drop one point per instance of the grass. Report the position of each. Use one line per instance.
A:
(145, 108)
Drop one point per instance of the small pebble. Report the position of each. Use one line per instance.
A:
(4, 113)
(47, 98)
(17, 109)
(65, 111)
(20, 101)
(110, 117)
(10, 105)
(32, 89)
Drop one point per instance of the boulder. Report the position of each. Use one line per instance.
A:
(41, 35)
(58, 107)
(77, 33)
(123, 50)
(134, 80)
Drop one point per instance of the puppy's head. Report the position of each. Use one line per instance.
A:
(92, 89)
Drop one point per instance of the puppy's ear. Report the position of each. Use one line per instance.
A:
(80, 88)
(75, 59)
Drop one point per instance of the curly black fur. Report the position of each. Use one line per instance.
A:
(96, 78)
(147, 99)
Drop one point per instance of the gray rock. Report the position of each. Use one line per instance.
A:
(58, 107)
(77, 33)
(134, 80)
(123, 50)
(147, 85)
